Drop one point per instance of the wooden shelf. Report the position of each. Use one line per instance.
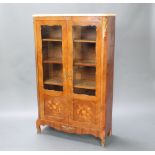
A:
(54, 81)
(84, 41)
(85, 63)
(48, 39)
(53, 60)
(84, 84)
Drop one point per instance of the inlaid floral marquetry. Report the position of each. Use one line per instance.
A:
(53, 106)
(84, 111)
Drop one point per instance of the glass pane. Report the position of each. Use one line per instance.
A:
(52, 57)
(52, 51)
(51, 32)
(84, 60)
(84, 33)
(84, 53)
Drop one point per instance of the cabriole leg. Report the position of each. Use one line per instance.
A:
(38, 129)
(102, 137)
(38, 126)
(102, 142)
(110, 132)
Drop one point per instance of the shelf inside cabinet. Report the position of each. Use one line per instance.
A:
(53, 60)
(84, 41)
(54, 81)
(54, 39)
(85, 62)
(87, 84)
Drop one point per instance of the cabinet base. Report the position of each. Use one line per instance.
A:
(70, 129)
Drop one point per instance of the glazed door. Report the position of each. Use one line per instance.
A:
(52, 68)
(84, 66)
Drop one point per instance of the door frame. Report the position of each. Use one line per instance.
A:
(97, 98)
(39, 68)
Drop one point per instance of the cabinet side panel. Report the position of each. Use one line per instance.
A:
(39, 69)
(110, 72)
(36, 62)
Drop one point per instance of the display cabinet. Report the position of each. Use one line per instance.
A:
(74, 70)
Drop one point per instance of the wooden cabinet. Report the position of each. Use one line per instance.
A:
(74, 66)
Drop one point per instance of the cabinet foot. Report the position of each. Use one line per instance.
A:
(103, 142)
(38, 130)
(103, 145)
(38, 126)
(110, 132)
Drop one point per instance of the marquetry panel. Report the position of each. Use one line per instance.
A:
(54, 106)
(84, 111)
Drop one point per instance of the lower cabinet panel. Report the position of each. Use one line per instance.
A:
(55, 108)
(84, 114)
(84, 111)
(82, 119)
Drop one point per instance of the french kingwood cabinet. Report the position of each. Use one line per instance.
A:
(74, 66)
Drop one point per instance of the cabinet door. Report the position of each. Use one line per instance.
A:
(84, 66)
(52, 68)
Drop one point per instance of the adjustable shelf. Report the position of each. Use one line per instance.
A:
(85, 63)
(49, 39)
(84, 41)
(86, 84)
(53, 61)
(54, 81)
